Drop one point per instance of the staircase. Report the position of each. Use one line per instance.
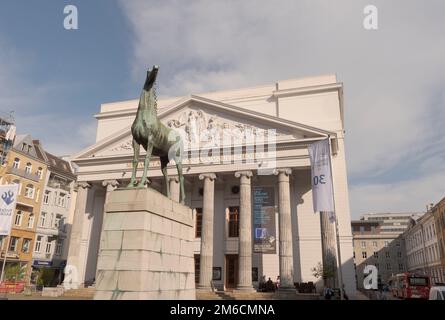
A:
(208, 295)
(239, 295)
(81, 293)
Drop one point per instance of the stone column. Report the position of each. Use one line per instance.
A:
(110, 185)
(328, 247)
(75, 262)
(206, 257)
(245, 232)
(285, 229)
(174, 188)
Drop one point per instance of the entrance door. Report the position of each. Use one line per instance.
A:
(231, 271)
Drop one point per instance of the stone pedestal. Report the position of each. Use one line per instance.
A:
(146, 248)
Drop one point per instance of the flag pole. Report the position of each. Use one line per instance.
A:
(4, 259)
(337, 234)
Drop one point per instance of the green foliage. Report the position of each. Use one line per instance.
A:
(13, 271)
(319, 272)
(45, 277)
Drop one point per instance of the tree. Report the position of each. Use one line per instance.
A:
(319, 272)
(45, 277)
(14, 272)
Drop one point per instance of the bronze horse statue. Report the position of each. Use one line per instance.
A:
(155, 138)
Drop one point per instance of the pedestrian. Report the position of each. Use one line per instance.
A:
(328, 293)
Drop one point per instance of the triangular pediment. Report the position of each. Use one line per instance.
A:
(210, 123)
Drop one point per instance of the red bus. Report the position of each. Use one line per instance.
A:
(410, 286)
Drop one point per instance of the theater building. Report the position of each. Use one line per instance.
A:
(247, 172)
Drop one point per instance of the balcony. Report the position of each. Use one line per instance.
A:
(58, 185)
(23, 174)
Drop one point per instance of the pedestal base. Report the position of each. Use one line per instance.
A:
(146, 249)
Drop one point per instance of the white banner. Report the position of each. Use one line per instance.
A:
(322, 190)
(8, 195)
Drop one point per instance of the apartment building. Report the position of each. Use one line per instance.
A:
(25, 168)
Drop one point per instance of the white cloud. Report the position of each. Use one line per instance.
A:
(59, 133)
(412, 195)
(392, 76)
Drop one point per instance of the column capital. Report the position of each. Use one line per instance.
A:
(82, 184)
(112, 183)
(239, 174)
(210, 176)
(285, 171)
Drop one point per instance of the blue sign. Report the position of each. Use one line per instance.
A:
(264, 240)
(42, 263)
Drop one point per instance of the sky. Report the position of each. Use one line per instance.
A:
(394, 77)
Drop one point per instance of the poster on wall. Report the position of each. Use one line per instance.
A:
(264, 235)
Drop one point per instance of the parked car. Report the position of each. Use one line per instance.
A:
(437, 293)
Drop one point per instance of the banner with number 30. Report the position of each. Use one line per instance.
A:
(322, 190)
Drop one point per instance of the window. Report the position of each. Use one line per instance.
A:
(398, 244)
(19, 185)
(38, 243)
(28, 168)
(353, 254)
(40, 172)
(374, 244)
(197, 267)
(31, 221)
(364, 255)
(46, 197)
(48, 247)
(198, 227)
(387, 255)
(61, 199)
(362, 229)
(16, 163)
(26, 245)
(29, 191)
(400, 266)
(363, 244)
(59, 247)
(233, 222)
(373, 229)
(23, 146)
(57, 223)
(399, 254)
(42, 219)
(386, 243)
(376, 254)
(388, 266)
(14, 242)
(377, 266)
(18, 218)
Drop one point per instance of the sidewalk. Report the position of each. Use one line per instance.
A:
(361, 296)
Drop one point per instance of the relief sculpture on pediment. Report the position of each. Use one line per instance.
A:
(201, 127)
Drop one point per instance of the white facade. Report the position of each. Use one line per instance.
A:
(301, 111)
(422, 248)
(53, 228)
